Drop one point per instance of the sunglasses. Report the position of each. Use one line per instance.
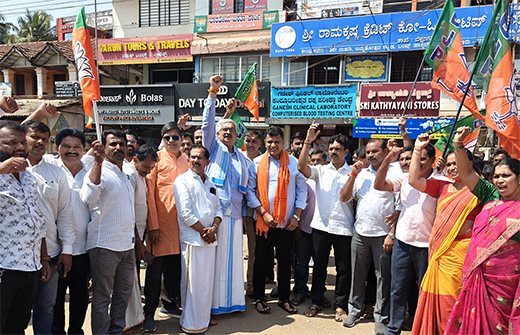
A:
(168, 138)
(132, 141)
(225, 130)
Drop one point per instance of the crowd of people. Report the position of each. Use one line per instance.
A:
(410, 236)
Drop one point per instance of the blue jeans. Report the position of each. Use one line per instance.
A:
(406, 260)
(303, 256)
(43, 309)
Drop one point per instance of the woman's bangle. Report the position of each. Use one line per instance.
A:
(309, 143)
(353, 174)
(213, 89)
(458, 148)
(263, 213)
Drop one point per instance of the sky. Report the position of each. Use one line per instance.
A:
(12, 9)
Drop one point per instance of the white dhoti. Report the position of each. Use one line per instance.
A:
(198, 268)
(134, 311)
(228, 289)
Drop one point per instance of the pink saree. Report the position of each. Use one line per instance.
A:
(489, 302)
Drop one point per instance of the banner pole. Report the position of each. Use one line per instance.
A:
(405, 109)
(96, 119)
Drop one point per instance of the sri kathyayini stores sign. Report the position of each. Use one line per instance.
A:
(136, 104)
(391, 99)
(145, 50)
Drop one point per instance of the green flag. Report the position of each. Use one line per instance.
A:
(241, 129)
(248, 93)
(443, 133)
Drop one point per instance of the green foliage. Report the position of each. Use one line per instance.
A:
(35, 26)
(5, 31)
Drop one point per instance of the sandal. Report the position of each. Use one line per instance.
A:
(135, 330)
(265, 308)
(340, 315)
(312, 311)
(291, 309)
(213, 322)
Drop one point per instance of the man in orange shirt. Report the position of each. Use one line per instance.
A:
(163, 228)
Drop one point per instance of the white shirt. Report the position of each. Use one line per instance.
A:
(79, 208)
(54, 200)
(196, 201)
(21, 223)
(373, 205)
(331, 215)
(140, 197)
(111, 206)
(417, 213)
(296, 190)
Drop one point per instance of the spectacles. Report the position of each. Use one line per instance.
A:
(225, 130)
(132, 141)
(168, 138)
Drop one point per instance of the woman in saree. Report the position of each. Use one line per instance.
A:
(489, 302)
(457, 208)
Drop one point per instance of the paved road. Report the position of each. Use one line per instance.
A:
(278, 322)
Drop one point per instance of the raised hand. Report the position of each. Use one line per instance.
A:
(215, 82)
(183, 120)
(98, 151)
(8, 105)
(357, 167)
(47, 110)
(394, 153)
(460, 134)
(422, 141)
(313, 132)
(402, 124)
(13, 165)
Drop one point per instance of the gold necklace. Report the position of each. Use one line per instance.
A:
(491, 212)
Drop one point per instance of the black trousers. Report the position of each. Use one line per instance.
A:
(17, 294)
(283, 241)
(77, 282)
(169, 268)
(323, 242)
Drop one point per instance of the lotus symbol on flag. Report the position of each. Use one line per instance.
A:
(131, 97)
(84, 69)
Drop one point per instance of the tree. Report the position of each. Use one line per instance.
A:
(35, 26)
(5, 31)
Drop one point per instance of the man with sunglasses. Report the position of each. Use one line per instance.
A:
(228, 170)
(163, 228)
(132, 144)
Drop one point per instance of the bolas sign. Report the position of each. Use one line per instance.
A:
(390, 100)
(136, 104)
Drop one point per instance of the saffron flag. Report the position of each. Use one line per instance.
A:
(494, 73)
(445, 55)
(84, 59)
(248, 93)
(241, 129)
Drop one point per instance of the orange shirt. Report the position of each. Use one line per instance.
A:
(162, 212)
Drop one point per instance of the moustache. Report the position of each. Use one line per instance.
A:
(118, 152)
(196, 164)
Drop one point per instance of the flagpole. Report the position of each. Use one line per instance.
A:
(458, 114)
(405, 109)
(94, 103)
(96, 119)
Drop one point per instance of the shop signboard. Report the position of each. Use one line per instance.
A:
(373, 33)
(388, 100)
(67, 89)
(313, 101)
(6, 89)
(190, 98)
(366, 67)
(389, 128)
(136, 104)
(235, 22)
(145, 50)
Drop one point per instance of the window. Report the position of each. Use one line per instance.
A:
(405, 66)
(60, 77)
(298, 71)
(153, 13)
(234, 68)
(323, 70)
(169, 76)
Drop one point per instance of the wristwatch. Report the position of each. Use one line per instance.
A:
(392, 236)
(296, 217)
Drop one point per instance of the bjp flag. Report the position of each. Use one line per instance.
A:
(494, 73)
(248, 92)
(445, 55)
(86, 67)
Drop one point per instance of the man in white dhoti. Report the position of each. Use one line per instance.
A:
(228, 170)
(199, 215)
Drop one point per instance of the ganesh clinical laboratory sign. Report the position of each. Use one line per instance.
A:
(145, 50)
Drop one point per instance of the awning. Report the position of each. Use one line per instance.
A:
(231, 43)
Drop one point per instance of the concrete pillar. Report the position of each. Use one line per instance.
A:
(8, 76)
(73, 73)
(41, 80)
(287, 136)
